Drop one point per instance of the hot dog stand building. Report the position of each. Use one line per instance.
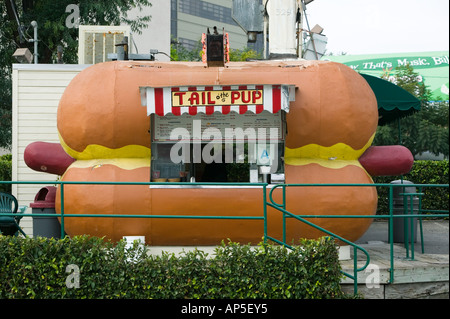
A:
(121, 120)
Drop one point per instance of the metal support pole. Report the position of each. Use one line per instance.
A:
(35, 41)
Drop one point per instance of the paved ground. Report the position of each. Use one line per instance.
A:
(435, 235)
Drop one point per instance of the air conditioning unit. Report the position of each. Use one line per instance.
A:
(96, 42)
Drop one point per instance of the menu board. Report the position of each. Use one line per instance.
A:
(219, 127)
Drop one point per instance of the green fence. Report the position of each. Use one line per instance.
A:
(408, 213)
(268, 201)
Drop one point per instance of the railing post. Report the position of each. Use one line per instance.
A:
(284, 214)
(419, 212)
(265, 212)
(405, 223)
(412, 234)
(355, 270)
(391, 231)
(62, 209)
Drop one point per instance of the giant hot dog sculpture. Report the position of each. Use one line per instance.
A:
(104, 131)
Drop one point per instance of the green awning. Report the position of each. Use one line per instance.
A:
(393, 101)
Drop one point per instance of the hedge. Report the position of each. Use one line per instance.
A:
(44, 268)
(422, 172)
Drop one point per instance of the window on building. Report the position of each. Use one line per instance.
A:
(206, 10)
(231, 148)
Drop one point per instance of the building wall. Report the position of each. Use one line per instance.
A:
(156, 36)
(37, 90)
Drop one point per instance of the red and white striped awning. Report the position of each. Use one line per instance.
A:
(223, 99)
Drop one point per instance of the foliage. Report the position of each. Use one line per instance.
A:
(179, 53)
(426, 130)
(7, 48)
(5, 172)
(52, 31)
(36, 268)
(5, 120)
(422, 172)
(244, 55)
(238, 172)
(406, 78)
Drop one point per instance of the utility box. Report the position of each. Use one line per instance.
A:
(44, 203)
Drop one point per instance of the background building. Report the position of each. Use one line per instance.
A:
(182, 22)
(157, 34)
(190, 18)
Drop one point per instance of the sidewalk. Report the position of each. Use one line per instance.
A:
(435, 235)
(424, 277)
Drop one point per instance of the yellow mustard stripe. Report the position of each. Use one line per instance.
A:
(336, 156)
(123, 163)
(339, 151)
(335, 164)
(94, 151)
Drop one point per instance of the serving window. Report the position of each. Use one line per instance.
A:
(240, 142)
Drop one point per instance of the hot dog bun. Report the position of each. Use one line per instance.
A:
(103, 125)
(100, 113)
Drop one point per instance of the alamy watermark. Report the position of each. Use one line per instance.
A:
(373, 277)
(73, 279)
(262, 145)
(73, 19)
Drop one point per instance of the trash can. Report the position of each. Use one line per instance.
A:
(402, 226)
(44, 203)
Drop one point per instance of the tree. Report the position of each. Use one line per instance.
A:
(426, 130)
(53, 31)
(7, 48)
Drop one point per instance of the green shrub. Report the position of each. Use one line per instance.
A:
(422, 172)
(36, 268)
(5, 172)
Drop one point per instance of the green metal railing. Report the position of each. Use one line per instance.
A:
(268, 201)
(286, 214)
(407, 215)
